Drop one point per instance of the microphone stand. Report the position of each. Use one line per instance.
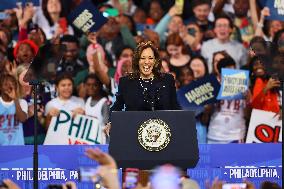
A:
(35, 84)
(282, 97)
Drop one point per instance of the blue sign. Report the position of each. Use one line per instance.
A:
(10, 4)
(86, 17)
(58, 164)
(198, 93)
(234, 84)
(276, 9)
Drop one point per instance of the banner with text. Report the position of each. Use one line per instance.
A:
(264, 127)
(10, 4)
(276, 9)
(234, 84)
(61, 163)
(198, 93)
(64, 129)
(87, 18)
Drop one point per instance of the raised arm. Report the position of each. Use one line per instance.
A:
(253, 12)
(218, 8)
(264, 12)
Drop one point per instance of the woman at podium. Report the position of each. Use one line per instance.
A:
(145, 88)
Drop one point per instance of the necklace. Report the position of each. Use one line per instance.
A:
(148, 83)
(145, 81)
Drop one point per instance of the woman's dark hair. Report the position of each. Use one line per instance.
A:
(202, 60)
(63, 76)
(93, 76)
(136, 58)
(224, 53)
(251, 64)
(275, 41)
(8, 34)
(8, 77)
(225, 62)
(119, 51)
(46, 14)
(256, 59)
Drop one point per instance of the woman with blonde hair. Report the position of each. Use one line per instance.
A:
(26, 93)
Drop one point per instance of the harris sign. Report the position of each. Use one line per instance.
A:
(198, 93)
(87, 18)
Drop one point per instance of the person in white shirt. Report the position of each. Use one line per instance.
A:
(51, 19)
(227, 123)
(13, 112)
(97, 103)
(64, 100)
(223, 27)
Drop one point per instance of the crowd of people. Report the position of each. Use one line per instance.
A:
(162, 177)
(206, 37)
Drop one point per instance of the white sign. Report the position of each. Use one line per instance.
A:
(65, 130)
(264, 127)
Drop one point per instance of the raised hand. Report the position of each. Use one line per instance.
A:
(265, 12)
(272, 83)
(107, 169)
(78, 111)
(54, 112)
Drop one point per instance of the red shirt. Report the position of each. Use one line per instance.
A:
(266, 102)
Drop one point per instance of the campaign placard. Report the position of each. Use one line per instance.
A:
(234, 84)
(276, 9)
(66, 130)
(87, 18)
(10, 4)
(198, 93)
(264, 127)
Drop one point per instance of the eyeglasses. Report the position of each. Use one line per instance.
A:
(222, 26)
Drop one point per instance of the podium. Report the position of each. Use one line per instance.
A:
(146, 139)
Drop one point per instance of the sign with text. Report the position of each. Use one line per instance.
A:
(87, 18)
(10, 4)
(64, 129)
(198, 93)
(234, 84)
(179, 6)
(276, 9)
(264, 127)
(60, 163)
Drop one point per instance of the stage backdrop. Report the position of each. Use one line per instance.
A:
(229, 162)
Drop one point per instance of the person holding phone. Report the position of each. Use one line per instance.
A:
(52, 20)
(192, 36)
(107, 169)
(265, 93)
